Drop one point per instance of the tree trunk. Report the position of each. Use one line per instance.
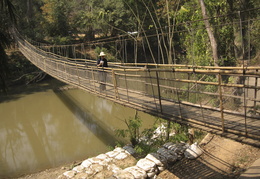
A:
(169, 31)
(212, 39)
(29, 10)
(89, 34)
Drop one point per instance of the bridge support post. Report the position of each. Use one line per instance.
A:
(159, 92)
(115, 84)
(126, 86)
(255, 95)
(221, 101)
(93, 78)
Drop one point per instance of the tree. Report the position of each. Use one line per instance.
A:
(7, 16)
(212, 39)
(56, 14)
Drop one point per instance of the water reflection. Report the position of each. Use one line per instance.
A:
(45, 129)
(101, 131)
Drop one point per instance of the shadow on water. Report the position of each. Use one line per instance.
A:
(100, 130)
(16, 92)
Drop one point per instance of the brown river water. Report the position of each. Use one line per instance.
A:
(42, 128)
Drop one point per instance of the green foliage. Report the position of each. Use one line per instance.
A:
(56, 17)
(211, 88)
(145, 142)
(53, 20)
(199, 135)
(61, 40)
(132, 131)
(100, 49)
(7, 19)
(179, 137)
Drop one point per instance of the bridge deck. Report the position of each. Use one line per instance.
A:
(201, 118)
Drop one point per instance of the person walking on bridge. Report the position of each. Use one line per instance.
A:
(102, 62)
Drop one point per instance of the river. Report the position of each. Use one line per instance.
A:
(42, 128)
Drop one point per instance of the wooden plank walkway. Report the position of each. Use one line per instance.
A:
(202, 118)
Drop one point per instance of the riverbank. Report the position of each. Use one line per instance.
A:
(222, 158)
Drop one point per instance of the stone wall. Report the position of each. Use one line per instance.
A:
(120, 163)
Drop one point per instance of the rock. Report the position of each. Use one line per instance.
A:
(121, 156)
(161, 169)
(123, 175)
(168, 145)
(119, 149)
(112, 154)
(154, 157)
(159, 131)
(170, 157)
(137, 172)
(95, 160)
(69, 174)
(113, 168)
(79, 169)
(86, 163)
(193, 151)
(146, 165)
(89, 171)
(177, 148)
(102, 156)
(129, 149)
(82, 176)
(97, 167)
(151, 174)
(100, 175)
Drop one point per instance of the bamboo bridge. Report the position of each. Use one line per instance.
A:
(220, 100)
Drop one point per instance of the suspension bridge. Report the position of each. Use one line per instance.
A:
(227, 104)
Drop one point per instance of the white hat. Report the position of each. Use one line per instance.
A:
(102, 54)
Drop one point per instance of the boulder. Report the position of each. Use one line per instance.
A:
(79, 169)
(137, 172)
(69, 174)
(121, 156)
(154, 157)
(86, 163)
(123, 175)
(193, 151)
(146, 165)
(170, 157)
(129, 149)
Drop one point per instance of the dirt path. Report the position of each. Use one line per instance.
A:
(222, 158)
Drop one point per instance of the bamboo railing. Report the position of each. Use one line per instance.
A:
(206, 97)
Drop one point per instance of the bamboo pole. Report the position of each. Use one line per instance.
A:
(115, 85)
(255, 94)
(93, 79)
(126, 88)
(188, 96)
(77, 73)
(186, 66)
(152, 90)
(159, 92)
(221, 102)
(245, 109)
(179, 102)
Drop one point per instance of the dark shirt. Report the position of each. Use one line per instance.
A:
(104, 64)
